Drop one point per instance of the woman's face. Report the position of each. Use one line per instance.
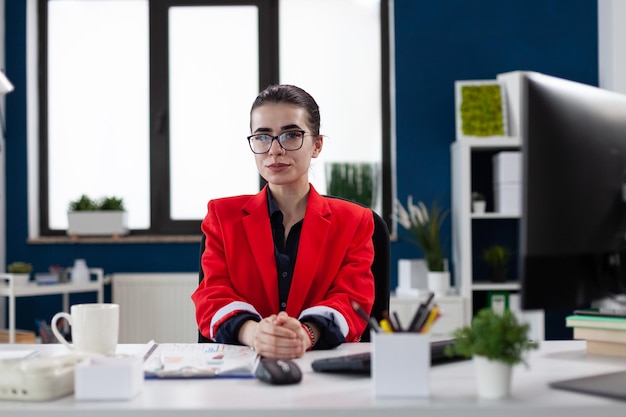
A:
(280, 167)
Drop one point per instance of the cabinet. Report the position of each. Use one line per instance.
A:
(472, 233)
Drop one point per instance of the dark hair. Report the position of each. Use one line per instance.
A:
(290, 94)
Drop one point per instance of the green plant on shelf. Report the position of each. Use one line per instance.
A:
(497, 256)
(20, 268)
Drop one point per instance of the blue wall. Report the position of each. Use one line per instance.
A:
(437, 42)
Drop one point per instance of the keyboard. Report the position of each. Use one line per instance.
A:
(360, 363)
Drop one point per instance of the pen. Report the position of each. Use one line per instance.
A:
(386, 326)
(397, 324)
(419, 314)
(432, 316)
(373, 324)
(387, 318)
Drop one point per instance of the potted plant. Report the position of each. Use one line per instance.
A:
(497, 257)
(104, 217)
(478, 202)
(497, 342)
(356, 181)
(21, 272)
(425, 227)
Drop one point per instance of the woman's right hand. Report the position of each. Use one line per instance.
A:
(271, 338)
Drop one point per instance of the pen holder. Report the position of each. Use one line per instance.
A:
(400, 364)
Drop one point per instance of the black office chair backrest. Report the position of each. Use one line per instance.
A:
(381, 269)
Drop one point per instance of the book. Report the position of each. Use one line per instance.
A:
(602, 335)
(601, 312)
(199, 360)
(595, 347)
(598, 322)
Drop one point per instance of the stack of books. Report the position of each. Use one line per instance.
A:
(604, 331)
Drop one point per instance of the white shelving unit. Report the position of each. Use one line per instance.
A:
(462, 216)
(463, 219)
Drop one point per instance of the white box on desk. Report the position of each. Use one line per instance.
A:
(507, 167)
(103, 378)
(401, 364)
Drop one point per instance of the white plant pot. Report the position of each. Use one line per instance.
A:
(97, 223)
(479, 206)
(21, 279)
(439, 282)
(493, 378)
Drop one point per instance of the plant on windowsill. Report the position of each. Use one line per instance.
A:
(497, 258)
(497, 342)
(425, 227)
(104, 217)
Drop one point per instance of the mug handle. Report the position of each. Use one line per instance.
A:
(55, 330)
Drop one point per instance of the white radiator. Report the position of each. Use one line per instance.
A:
(156, 306)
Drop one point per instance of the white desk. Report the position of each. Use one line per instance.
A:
(324, 395)
(11, 291)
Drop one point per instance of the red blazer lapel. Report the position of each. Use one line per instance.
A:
(258, 232)
(315, 229)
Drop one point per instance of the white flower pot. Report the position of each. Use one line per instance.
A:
(97, 223)
(478, 206)
(439, 282)
(21, 279)
(493, 378)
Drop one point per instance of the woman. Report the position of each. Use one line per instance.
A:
(282, 267)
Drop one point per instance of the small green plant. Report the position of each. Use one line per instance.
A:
(495, 336)
(497, 256)
(476, 196)
(111, 203)
(20, 268)
(85, 203)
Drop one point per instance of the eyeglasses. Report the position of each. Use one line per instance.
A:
(289, 141)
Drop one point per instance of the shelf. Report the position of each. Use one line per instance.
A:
(493, 142)
(494, 215)
(496, 286)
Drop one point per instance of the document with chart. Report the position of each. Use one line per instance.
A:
(199, 360)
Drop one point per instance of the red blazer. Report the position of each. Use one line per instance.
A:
(332, 268)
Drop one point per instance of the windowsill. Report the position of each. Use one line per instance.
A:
(69, 240)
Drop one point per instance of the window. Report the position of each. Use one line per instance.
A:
(157, 111)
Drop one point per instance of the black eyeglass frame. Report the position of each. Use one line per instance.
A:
(277, 138)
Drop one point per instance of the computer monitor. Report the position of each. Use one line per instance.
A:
(573, 227)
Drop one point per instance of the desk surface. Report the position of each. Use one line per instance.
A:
(452, 392)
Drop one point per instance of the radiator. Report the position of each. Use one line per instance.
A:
(156, 306)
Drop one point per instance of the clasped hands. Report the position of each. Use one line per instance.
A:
(276, 336)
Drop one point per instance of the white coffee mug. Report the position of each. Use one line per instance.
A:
(95, 327)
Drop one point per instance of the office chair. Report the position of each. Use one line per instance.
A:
(380, 269)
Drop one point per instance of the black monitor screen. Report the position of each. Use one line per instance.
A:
(573, 226)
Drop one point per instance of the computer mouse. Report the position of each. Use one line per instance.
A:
(278, 371)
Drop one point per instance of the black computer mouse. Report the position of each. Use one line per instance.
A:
(278, 371)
